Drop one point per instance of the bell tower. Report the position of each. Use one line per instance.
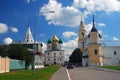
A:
(94, 47)
(81, 36)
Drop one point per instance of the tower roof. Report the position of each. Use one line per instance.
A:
(55, 39)
(49, 41)
(28, 36)
(60, 41)
(81, 23)
(94, 29)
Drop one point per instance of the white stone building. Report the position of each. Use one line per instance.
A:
(34, 48)
(111, 55)
(54, 53)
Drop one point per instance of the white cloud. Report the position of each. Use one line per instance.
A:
(88, 27)
(65, 16)
(14, 29)
(98, 5)
(68, 34)
(70, 15)
(3, 28)
(8, 40)
(115, 39)
(69, 46)
(101, 25)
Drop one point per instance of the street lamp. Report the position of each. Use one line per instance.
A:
(35, 46)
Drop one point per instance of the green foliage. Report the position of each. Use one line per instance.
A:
(40, 74)
(3, 50)
(76, 56)
(17, 51)
(110, 67)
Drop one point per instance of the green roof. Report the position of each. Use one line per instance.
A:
(60, 41)
(49, 41)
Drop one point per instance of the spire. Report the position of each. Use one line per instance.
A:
(93, 21)
(81, 23)
(94, 28)
(28, 36)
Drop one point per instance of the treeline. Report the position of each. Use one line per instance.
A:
(16, 51)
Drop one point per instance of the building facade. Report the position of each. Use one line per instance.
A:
(34, 48)
(111, 55)
(54, 53)
(94, 53)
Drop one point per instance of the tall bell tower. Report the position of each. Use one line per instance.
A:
(94, 47)
(81, 36)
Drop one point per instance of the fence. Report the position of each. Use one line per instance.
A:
(17, 64)
(4, 64)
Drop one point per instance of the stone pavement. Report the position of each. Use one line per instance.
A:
(61, 74)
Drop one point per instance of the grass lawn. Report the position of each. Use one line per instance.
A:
(40, 74)
(110, 67)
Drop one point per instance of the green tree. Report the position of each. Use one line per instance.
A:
(76, 56)
(18, 51)
(3, 50)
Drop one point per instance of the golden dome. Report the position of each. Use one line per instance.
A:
(55, 39)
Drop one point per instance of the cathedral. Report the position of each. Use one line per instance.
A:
(54, 53)
(94, 53)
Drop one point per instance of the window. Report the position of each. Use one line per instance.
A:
(48, 53)
(96, 52)
(48, 59)
(82, 44)
(54, 54)
(115, 53)
(60, 53)
(83, 35)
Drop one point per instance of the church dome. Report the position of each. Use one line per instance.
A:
(49, 41)
(55, 39)
(60, 41)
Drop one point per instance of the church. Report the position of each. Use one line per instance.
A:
(94, 53)
(34, 48)
(54, 53)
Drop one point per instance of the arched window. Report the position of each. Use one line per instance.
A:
(82, 35)
(96, 52)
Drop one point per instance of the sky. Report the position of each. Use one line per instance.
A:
(16, 15)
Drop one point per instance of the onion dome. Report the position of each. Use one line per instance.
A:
(49, 41)
(60, 41)
(55, 39)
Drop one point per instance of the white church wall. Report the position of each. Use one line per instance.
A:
(111, 55)
(54, 57)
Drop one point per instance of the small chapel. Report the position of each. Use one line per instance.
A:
(54, 53)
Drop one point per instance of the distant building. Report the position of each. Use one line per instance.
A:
(28, 38)
(54, 53)
(94, 53)
(35, 48)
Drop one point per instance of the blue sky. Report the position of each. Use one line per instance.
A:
(15, 15)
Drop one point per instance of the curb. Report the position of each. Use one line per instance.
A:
(102, 69)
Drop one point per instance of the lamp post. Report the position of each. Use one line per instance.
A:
(35, 45)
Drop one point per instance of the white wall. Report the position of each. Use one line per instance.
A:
(109, 55)
(51, 55)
